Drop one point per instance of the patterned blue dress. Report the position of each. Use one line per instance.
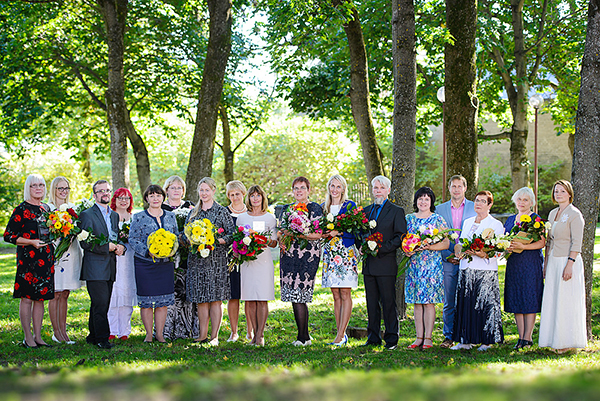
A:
(425, 274)
(524, 280)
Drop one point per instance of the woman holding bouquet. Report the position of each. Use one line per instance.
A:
(340, 262)
(562, 321)
(66, 270)
(478, 318)
(300, 260)
(524, 281)
(182, 319)
(123, 297)
(257, 286)
(236, 191)
(34, 281)
(208, 280)
(154, 276)
(424, 285)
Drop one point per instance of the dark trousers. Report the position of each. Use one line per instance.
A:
(100, 292)
(381, 289)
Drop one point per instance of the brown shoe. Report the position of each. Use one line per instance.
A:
(447, 343)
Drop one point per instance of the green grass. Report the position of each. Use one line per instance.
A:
(185, 371)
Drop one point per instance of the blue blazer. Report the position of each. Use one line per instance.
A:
(445, 210)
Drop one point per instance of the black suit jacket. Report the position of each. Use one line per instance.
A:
(391, 223)
(98, 262)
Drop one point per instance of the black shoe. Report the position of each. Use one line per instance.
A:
(526, 343)
(390, 346)
(29, 346)
(91, 340)
(519, 344)
(371, 344)
(105, 345)
(43, 345)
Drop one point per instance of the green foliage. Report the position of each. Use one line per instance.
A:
(11, 190)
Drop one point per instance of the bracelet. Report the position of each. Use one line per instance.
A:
(571, 259)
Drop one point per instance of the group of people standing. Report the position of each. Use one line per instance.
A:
(178, 297)
(468, 281)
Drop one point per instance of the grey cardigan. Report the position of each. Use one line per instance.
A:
(566, 234)
(142, 225)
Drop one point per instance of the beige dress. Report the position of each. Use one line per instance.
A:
(257, 277)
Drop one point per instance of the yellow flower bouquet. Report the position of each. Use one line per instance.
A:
(202, 235)
(162, 244)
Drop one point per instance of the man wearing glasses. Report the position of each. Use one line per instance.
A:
(99, 261)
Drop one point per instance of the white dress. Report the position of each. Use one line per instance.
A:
(68, 269)
(257, 277)
(124, 288)
(562, 320)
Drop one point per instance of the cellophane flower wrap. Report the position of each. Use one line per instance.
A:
(296, 220)
(371, 245)
(410, 242)
(353, 221)
(202, 235)
(488, 242)
(162, 244)
(247, 245)
(431, 234)
(181, 215)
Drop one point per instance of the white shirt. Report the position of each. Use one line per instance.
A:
(479, 263)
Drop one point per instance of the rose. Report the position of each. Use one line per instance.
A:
(83, 235)
(330, 218)
(247, 241)
(204, 252)
(548, 225)
(330, 226)
(372, 245)
(372, 224)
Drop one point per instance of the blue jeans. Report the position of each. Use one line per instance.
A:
(450, 281)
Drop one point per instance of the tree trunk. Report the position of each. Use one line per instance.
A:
(114, 13)
(405, 116)
(461, 104)
(211, 89)
(226, 148)
(586, 157)
(519, 163)
(359, 93)
(142, 161)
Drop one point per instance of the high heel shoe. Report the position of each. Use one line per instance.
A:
(427, 346)
(43, 345)
(413, 345)
(343, 342)
(29, 346)
(518, 345)
(56, 340)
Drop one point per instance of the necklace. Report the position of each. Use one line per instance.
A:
(237, 211)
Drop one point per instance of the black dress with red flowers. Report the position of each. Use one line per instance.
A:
(35, 267)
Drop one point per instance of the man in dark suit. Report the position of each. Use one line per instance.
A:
(455, 212)
(99, 261)
(380, 271)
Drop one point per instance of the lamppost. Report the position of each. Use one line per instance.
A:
(536, 101)
(441, 96)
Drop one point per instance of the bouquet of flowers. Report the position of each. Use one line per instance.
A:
(431, 235)
(371, 245)
(123, 234)
(487, 242)
(201, 234)
(410, 242)
(354, 221)
(162, 244)
(247, 245)
(181, 215)
(62, 224)
(527, 231)
(296, 220)
(82, 204)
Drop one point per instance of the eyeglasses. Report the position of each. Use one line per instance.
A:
(176, 188)
(296, 189)
(37, 186)
(103, 191)
(123, 198)
(63, 189)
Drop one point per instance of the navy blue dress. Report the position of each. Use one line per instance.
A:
(524, 281)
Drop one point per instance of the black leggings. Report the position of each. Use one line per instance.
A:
(301, 316)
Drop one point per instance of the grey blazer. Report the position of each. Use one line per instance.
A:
(566, 234)
(98, 263)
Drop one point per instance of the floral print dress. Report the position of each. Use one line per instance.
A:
(35, 267)
(425, 274)
(340, 263)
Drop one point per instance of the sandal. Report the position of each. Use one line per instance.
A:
(427, 346)
(413, 345)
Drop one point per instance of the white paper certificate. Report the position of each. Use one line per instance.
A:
(258, 225)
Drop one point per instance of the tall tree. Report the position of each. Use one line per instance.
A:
(586, 157)
(405, 115)
(461, 103)
(359, 89)
(211, 89)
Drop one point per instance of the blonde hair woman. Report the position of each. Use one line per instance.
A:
(208, 280)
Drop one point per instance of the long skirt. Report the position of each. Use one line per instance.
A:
(478, 318)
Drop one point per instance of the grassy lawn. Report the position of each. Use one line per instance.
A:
(184, 371)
